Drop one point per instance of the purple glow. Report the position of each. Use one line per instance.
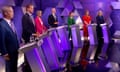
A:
(57, 46)
(64, 38)
(100, 5)
(105, 33)
(92, 34)
(35, 61)
(50, 54)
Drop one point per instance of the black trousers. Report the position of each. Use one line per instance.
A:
(11, 65)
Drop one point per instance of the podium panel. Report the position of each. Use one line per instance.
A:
(105, 31)
(76, 36)
(33, 56)
(50, 54)
(92, 34)
(64, 40)
(56, 43)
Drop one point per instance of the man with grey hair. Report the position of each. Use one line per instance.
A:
(8, 40)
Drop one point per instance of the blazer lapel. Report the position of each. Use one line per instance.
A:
(8, 27)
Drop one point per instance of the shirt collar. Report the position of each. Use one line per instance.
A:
(8, 21)
(29, 13)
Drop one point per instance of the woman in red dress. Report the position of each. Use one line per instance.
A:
(86, 20)
(40, 28)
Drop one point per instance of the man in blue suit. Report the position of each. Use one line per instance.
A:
(8, 40)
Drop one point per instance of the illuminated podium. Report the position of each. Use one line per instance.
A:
(92, 34)
(77, 44)
(56, 42)
(50, 52)
(35, 57)
(76, 36)
(64, 40)
(105, 31)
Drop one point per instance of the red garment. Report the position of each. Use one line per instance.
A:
(40, 28)
(85, 29)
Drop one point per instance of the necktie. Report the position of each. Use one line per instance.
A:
(12, 27)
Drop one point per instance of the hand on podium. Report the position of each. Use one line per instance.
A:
(6, 57)
(56, 23)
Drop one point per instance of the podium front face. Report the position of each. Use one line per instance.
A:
(33, 56)
(50, 54)
(2, 64)
(76, 36)
(35, 61)
(92, 34)
(56, 43)
(105, 31)
(64, 40)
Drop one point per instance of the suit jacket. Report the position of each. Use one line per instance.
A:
(28, 27)
(39, 25)
(52, 20)
(8, 39)
(100, 20)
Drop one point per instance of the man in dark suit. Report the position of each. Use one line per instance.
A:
(28, 23)
(52, 19)
(8, 40)
(28, 30)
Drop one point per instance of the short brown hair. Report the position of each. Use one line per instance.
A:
(28, 5)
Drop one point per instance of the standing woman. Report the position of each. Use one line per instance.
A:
(40, 28)
(99, 20)
(86, 20)
(71, 21)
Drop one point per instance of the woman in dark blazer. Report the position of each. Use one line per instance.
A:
(99, 20)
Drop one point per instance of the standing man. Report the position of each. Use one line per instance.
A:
(52, 19)
(8, 40)
(28, 23)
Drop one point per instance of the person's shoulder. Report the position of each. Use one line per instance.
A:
(2, 21)
(50, 15)
(25, 15)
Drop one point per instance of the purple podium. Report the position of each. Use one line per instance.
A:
(56, 43)
(92, 34)
(105, 31)
(49, 52)
(63, 38)
(76, 36)
(34, 57)
(77, 44)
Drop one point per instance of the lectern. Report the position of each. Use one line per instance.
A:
(106, 35)
(76, 36)
(92, 34)
(34, 58)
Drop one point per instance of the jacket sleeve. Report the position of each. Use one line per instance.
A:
(3, 48)
(50, 20)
